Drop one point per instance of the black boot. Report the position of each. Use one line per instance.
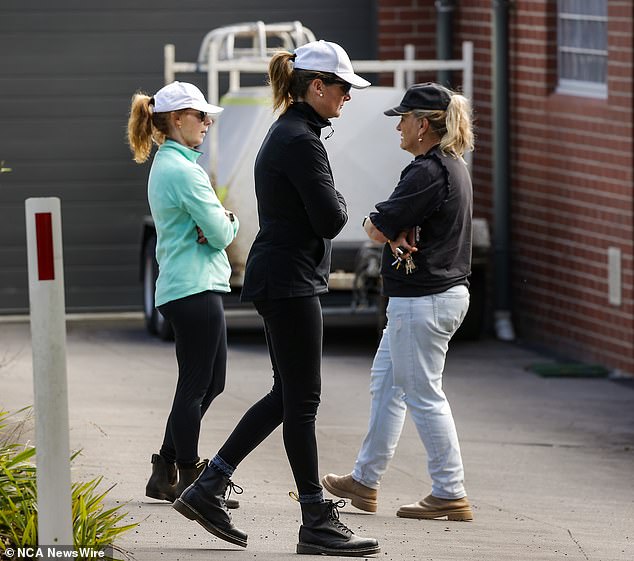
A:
(162, 482)
(322, 533)
(204, 502)
(186, 476)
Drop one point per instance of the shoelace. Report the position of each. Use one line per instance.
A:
(334, 515)
(333, 512)
(232, 487)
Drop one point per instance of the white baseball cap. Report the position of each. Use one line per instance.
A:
(182, 95)
(324, 56)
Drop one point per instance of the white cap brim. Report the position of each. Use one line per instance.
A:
(207, 108)
(353, 79)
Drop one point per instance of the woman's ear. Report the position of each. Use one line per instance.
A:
(175, 120)
(318, 86)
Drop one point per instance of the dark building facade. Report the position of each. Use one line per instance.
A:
(68, 70)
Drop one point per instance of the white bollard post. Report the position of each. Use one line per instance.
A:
(48, 341)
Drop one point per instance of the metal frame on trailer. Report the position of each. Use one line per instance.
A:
(218, 53)
(246, 48)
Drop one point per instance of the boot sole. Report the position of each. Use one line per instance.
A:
(191, 513)
(157, 495)
(356, 501)
(454, 515)
(310, 549)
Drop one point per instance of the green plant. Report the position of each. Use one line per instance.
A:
(93, 525)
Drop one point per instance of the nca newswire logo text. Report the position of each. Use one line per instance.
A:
(52, 552)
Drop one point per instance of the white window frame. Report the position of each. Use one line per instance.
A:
(568, 86)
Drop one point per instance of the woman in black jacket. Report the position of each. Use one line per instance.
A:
(425, 226)
(300, 211)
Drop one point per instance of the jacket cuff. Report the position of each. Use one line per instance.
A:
(379, 222)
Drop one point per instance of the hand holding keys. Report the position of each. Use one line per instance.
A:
(410, 266)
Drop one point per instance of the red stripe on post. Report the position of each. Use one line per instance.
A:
(44, 237)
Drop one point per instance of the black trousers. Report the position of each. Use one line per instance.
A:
(294, 331)
(200, 335)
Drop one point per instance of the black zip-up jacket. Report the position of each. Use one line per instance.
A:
(435, 194)
(299, 210)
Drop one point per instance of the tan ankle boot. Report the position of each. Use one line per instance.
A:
(346, 487)
(433, 507)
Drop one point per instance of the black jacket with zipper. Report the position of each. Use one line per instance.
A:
(299, 210)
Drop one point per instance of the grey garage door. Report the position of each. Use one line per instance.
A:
(67, 71)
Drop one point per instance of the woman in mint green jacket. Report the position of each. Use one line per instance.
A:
(193, 229)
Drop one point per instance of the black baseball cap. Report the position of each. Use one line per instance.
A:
(428, 96)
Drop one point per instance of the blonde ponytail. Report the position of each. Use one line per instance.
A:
(453, 126)
(459, 136)
(280, 80)
(145, 127)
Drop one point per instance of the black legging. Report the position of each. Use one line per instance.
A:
(294, 330)
(200, 334)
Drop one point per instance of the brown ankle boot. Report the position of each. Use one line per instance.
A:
(346, 487)
(162, 482)
(186, 476)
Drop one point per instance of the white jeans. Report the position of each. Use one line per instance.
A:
(407, 374)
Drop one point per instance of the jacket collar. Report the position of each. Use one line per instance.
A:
(433, 151)
(190, 153)
(314, 119)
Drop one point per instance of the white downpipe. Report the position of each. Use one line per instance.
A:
(48, 341)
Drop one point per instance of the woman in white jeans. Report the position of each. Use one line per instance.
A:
(425, 225)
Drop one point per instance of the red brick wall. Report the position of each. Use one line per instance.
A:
(414, 22)
(572, 193)
(406, 21)
(571, 172)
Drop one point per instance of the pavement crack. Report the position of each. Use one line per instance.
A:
(577, 544)
(103, 432)
(539, 521)
(7, 358)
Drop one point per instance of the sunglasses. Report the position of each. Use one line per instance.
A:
(345, 86)
(201, 114)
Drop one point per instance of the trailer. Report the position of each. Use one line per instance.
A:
(363, 150)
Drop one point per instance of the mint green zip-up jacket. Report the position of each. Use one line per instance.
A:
(181, 198)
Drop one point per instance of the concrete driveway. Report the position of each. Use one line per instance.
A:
(549, 461)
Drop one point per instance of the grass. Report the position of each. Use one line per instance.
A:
(94, 526)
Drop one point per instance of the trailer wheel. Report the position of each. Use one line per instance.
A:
(155, 323)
